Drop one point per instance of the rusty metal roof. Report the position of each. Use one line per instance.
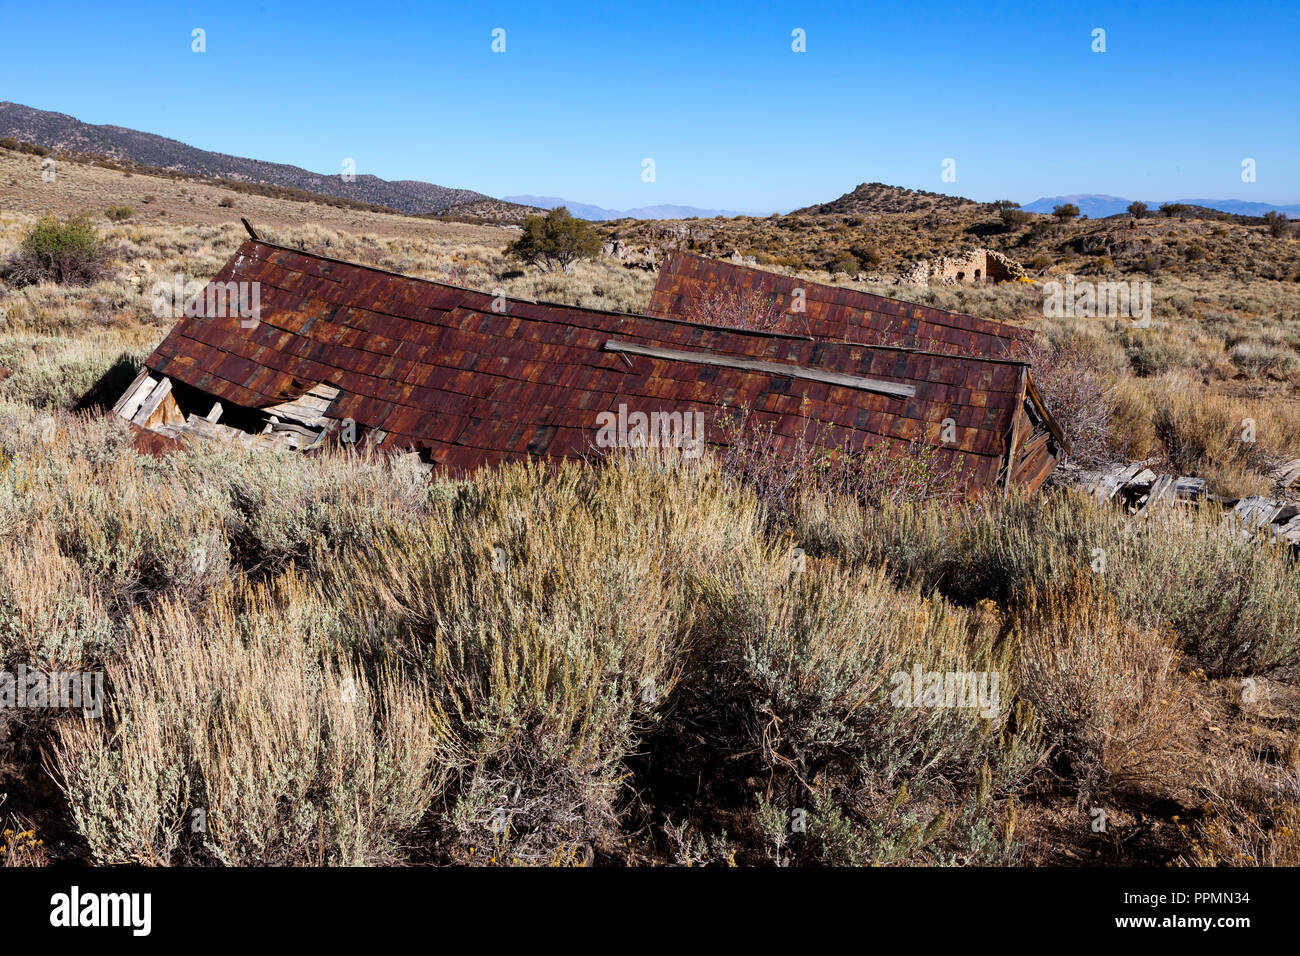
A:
(831, 312)
(436, 368)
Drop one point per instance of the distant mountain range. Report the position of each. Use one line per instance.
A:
(599, 213)
(1098, 206)
(62, 132)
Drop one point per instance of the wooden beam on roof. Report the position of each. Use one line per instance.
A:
(770, 368)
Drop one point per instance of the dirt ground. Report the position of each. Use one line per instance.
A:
(157, 200)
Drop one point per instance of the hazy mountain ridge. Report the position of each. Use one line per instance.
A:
(1097, 205)
(601, 214)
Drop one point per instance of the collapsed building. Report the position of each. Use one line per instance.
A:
(344, 353)
(687, 284)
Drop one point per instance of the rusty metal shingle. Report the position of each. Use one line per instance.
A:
(831, 312)
(434, 367)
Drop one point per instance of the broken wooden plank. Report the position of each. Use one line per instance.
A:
(120, 406)
(167, 413)
(310, 407)
(150, 404)
(1143, 479)
(769, 368)
(1190, 488)
(1256, 511)
(138, 397)
(1288, 473)
(1162, 488)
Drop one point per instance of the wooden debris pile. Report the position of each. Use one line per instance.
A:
(1140, 489)
(296, 425)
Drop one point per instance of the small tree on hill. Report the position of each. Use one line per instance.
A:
(1066, 211)
(1277, 223)
(1137, 209)
(555, 240)
(1011, 214)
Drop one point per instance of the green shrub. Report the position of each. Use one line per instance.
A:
(119, 213)
(845, 263)
(1149, 355)
(67, 251)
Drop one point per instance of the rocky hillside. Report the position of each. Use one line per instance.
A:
(877, 198)
(882, 231)
(57, 131)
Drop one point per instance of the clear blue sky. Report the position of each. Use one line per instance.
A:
(711, 91)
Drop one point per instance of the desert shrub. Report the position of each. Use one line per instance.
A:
(302, 512)
(119, 213)
(846, 263)
(798, 678)
(1250, 815)
(1152, 355)
(66, 381)
(241, 737)
(1277, 224)
(67, 251)
(1106, 690)
(51, 615)
(1216, 439)
(1153, 264)
(549, 619)
(741, 308)
(1066, 211)
(19, 844)
(137, 540)
(1075, 374)
(1131, 431)
(1011, 215)
(816, 651)
(782, 469)
(1225, 592)
(1258, 359)
(866, 255)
